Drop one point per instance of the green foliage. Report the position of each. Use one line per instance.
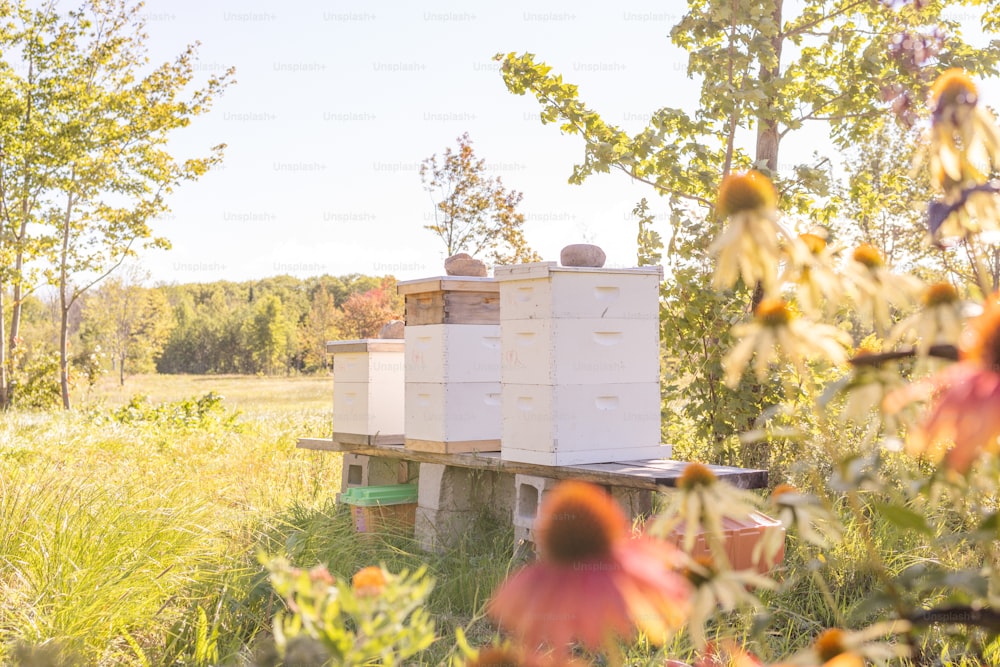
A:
(36, 384)
(205, 412)
(336, 624)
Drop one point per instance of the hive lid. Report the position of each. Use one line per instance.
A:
(370, 496)
(534, 270)
(366, 345)
(447, 284)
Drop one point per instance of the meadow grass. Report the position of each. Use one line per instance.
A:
(138, 541)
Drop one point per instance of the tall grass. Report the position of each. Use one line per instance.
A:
(134, 543)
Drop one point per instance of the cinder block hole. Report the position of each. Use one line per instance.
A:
(527, 501)
(355, 475)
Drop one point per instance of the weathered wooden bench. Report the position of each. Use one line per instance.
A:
(454, 487)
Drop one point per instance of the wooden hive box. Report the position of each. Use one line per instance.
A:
(451, 300)
(452, 364)
(368, 390)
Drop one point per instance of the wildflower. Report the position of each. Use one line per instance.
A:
(939, 322)
(718, 588)
(748, 248)
(875, 289)
(701, 508)
(369, 581)
(593, 582)
(802, 512)
(964, 420)
(964, 149)
(811, 269)
(962, 132)
(512, 656)
(776, 327)
(841, 648)
(727, 654)
(870, 382)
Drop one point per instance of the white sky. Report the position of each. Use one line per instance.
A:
(336, 104)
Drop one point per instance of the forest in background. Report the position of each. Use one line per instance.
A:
(272, 326)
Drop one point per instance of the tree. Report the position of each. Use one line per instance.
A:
(364, 314)
(318, 327)
(474, 212)
(271, 335)
(86, 164)
(131, 321)
(766, 71)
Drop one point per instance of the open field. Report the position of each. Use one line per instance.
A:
(248, 393)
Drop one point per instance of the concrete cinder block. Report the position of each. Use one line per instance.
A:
(450, 498)
(362, 470)
(637, 503)
(529, 490)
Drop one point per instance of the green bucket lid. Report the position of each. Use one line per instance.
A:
(391, 494)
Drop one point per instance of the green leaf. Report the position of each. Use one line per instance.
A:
(903, 517)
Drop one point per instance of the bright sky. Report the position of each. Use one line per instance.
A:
(337, 103)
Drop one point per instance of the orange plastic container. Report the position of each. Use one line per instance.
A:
(741, 537)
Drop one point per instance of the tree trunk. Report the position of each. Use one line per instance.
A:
(65, 303)
(4, 394)
(121, 370)
(64, 350)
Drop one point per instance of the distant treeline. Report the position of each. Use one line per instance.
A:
(271, 326)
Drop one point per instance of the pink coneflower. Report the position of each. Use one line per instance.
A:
(593, 582)
(964, 420)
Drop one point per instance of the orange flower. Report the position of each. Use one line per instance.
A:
(964, 420)
(593, 582)
(369, 581)
(727, 654)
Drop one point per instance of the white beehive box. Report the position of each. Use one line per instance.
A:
(579, 351)
(453, 417)
(542, 290)
(368, 388)
(588, 423)
(453, 353)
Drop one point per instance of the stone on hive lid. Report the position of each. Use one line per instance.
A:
(582, 254)
(393, 329)
(463, 264)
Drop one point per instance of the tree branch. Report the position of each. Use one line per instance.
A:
(958, 615)
(949, 352)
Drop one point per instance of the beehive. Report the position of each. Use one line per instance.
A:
(368, 390)
(580, 369)
(452, 364)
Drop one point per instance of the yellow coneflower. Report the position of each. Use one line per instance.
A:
(810, 268)
(939, 322)
(718, 588)
(749, 246)
(701, 509)
(964, 149)
(842, 648)
(777, 330)
(875, 289)
(593, 582)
